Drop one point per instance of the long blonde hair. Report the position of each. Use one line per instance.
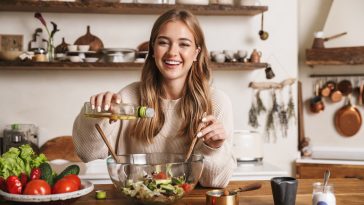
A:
(196, 97)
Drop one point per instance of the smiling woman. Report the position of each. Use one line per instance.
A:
(175, 82)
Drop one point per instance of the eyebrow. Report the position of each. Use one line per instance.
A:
(180, 39)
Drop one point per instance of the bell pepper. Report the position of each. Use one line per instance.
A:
(13, 185)
(23, 179)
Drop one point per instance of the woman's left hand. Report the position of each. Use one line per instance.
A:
(213, 132)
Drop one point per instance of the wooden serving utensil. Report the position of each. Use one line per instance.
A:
(249, 187)
(107, 142)
(194, 141)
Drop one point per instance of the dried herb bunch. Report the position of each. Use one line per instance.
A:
(291, 107)
(271, 119)
(260, 105)
(253, 116)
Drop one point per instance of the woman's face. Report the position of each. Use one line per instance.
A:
(174, 51)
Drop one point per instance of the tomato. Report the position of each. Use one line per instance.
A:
(37, 187)
(75, 178)
(13, 185)
(186, 187)
(160, 175)
(64, 185)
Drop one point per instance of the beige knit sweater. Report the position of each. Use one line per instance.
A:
(218, 163)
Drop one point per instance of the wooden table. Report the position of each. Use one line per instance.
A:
(347, 192)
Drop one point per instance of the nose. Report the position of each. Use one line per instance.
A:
(173, 50)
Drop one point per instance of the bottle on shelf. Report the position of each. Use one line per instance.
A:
(121, 111)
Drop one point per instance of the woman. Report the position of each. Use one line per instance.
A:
(175, 82)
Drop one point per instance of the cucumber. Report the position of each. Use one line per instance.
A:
(46, 173)
(72, 169)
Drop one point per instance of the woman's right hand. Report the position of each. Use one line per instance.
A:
(103, 101)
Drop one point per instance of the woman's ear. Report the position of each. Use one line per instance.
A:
(198, 50)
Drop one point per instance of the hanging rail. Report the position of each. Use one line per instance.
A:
(337, 75)
(271, 85)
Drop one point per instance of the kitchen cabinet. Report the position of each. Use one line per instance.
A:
(88, 6)
(316, 171)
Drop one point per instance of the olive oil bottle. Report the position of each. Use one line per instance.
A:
(121, 111)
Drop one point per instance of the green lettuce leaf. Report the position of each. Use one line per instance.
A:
(18, 160)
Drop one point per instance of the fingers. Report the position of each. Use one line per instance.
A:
(103, 100)
(213, 132)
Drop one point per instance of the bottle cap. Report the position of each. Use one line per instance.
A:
(145, 112)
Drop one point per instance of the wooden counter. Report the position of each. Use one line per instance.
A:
(347, 192)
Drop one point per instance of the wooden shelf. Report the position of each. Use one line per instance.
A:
(15, 65)
(93, 6)
(335, 56)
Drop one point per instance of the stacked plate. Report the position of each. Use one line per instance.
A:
(119, 55)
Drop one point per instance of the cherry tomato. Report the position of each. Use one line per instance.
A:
(64, 185)
(160, 175)
(37, 187)
(186, 187)
(75, 178)
(13, 185)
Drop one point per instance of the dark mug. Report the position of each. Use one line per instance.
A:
(284, 190)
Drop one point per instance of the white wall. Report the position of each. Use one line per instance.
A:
(52, 99)
(312, 17)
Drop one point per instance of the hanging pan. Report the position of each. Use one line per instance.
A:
(348, 119)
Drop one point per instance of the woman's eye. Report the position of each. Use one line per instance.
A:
(162, 43)
(185, 45)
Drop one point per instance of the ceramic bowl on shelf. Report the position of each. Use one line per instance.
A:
(75, 59)
(72, 48)
(91, 60)
(83, 48)
(193, 2)
(155, 178)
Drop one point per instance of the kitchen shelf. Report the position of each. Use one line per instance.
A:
(92, 6)
(335, 56)
(29, 65)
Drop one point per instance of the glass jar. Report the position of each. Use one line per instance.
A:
(50, 49)
(321, 196)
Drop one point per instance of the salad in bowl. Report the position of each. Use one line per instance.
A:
(156, 178)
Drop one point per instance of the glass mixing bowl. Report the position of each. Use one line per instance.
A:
(155, 178)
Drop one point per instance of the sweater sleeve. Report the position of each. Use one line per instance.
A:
(219, 163)
(88, 143)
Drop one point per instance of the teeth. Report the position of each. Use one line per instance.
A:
(172, 62)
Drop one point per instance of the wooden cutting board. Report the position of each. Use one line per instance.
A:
(60, 148)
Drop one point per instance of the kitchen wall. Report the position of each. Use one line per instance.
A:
(331, 16)
(52, 99)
